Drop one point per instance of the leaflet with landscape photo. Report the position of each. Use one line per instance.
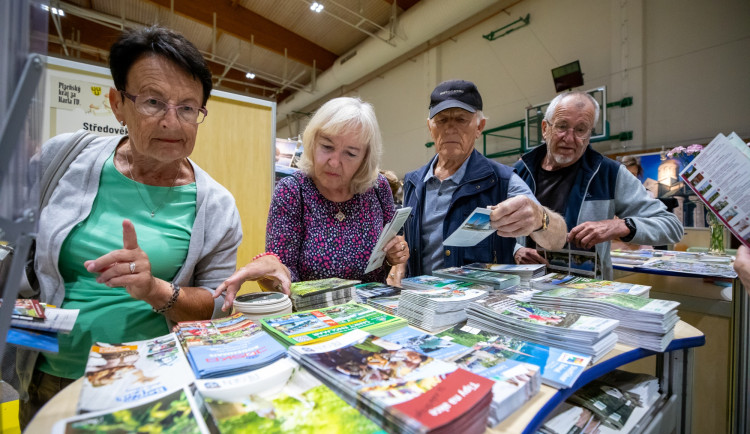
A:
(718, 175)
(389, 231)
(472, 231)
(129, 373)
(56, 320)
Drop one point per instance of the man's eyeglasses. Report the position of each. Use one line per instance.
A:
(151, 106)
(581, 132)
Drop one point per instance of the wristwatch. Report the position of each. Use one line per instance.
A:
(545, 221)
(631, 227)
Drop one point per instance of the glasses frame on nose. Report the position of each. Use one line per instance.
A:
(580, 135)
(165, 107)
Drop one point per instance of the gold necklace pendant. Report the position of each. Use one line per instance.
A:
(340, 216)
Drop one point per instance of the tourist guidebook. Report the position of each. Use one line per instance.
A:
(119, 375)
(227, 346)
(500, 314)
(400, 389)
(280, 398)
(434, 309)
(515, 382)
(366, 291)
(319, 325)
(434, 282)
(555, 280)
(389, 231)
(388, 304)
(718, 175)
(495, 280)
(170, 412)
(472, 231)
(558, 368)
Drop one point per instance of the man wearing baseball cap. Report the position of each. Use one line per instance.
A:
(459, 179)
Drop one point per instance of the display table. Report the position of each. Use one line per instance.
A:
(668, 414)
(719, 307)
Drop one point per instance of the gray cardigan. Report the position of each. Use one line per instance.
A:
(212, 252)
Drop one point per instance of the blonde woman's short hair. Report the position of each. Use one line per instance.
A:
(340, 116)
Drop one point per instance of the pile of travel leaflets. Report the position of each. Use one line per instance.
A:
(319, 325)
(257, 305)
(36, 325)
(388, 304)
(503, 315)
(316, 294)
(515, 381)
(435, 309)
(601, 410)
(559, 368)
(401, 390)
(644, 322)
(557, 280)
(366, 291)
(495, 280)
(170, 412)
(129, 373)
(421, 283)
(525, 272)
(227, 346)
(279, 398)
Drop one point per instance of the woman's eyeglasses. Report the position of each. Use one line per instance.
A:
(151, 106)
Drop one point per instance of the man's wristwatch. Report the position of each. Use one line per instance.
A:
(631, 227)
(545, 221)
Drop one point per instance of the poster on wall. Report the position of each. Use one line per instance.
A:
(79, 102)
(660, 176)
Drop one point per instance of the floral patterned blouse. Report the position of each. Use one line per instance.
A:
(303, 229)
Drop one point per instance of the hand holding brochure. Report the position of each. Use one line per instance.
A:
(474, 229)
(389, 231)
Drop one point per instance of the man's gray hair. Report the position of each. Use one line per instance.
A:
(579, 94)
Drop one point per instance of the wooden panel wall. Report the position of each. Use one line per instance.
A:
(234, 146)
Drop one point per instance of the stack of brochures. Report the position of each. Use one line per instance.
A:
(436, 309)
(388, 304)
(420, 283)
(557, 280)
(227, 346)
(126, 374)
(257, 305)
(319, 325)
(525, 272)
(559, 368)
(400, 389)
(614, 403)
(644, 322)
(35, 325)
(495, 280)
(316, 294)
(280, 398)
(515, 381)
(366, 291)
(503, 315)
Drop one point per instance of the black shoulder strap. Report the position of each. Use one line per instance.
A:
(67, 153)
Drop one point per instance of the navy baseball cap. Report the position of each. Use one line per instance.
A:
(455, 94)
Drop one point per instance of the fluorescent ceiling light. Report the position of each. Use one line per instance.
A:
(250, 75)
(316, 7)
(55, 11)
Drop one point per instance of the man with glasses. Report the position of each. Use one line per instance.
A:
(458, 179)
(568, 176)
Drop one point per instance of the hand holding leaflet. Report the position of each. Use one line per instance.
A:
(474, 229)
(389, 231)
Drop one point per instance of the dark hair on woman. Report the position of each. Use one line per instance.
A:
(133, 44)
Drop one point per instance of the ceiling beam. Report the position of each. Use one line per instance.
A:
(247, 25)
(404, 5)
(102, 37)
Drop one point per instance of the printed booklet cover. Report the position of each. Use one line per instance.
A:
(389, 231)
(129, 373)
(472, 231)
(322, 324)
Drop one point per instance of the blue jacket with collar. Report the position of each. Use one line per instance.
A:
(485, 183)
